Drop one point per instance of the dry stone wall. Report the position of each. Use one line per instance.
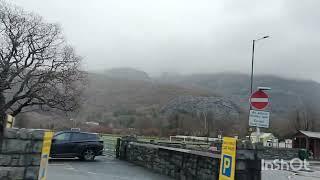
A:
(20, 154)
(184, 164)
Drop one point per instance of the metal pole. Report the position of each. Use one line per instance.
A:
(251, 85)
(251, 79)
(205, 121)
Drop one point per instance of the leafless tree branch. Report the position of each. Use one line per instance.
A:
(37, 67)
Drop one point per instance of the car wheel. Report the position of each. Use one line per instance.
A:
(88, 155)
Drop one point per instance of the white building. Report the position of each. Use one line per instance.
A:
(268, 139)
(92, 123)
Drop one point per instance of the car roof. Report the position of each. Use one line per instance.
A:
(69, 131)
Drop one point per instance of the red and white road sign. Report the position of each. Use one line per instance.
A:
(259, 100)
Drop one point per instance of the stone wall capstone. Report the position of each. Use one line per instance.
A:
(278, 153)
(20, 154)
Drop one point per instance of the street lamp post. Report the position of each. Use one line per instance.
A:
(252, 61)
(251, 79)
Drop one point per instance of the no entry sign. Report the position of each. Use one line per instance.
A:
(259, 100)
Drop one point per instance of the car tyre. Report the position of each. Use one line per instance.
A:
(88, 155)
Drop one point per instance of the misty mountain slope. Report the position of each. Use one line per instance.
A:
(126, 103)
(107, 93)
(122, 102)
(126, 74)
(285, 95)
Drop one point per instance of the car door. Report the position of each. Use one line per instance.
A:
(77, 140)
(61, 145)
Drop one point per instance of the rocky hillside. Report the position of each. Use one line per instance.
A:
(107, 93)
(220, 106)
(285, 95)
(290, 100)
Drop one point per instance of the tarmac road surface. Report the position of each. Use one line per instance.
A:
(108, 168)
(103, 168)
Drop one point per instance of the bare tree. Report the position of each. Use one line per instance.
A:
(302, 119)
(38, 69)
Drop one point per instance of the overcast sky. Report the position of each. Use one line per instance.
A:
(190, 36)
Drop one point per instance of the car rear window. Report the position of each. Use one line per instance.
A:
(84, 136)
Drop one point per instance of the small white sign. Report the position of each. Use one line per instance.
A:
(259, 118)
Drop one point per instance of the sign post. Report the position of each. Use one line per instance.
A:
(228, 159)
(46, 146)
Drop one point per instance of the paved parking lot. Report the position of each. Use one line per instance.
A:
(287, 175)
(313, 173)
(108, 168)
(104, 168)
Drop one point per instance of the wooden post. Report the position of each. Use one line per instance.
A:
(299, 142)
(316, 152)
(118, 147)
(9, 122)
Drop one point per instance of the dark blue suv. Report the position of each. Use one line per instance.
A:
(70, 144)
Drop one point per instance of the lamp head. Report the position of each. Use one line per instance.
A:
(264, 88)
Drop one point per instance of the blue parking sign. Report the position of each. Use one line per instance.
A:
(226, 165)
